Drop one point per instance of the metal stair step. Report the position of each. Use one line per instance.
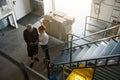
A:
(116, 50)
(79, 42)
(107, 73)
(97, 23)
(66, 56)
(89, 52)
(90, 38)
(79, 56)
(76, 53)
(100, 47)
(93, 28)
(102, 75)
(97, 36)
(114, 70)
(107, 50)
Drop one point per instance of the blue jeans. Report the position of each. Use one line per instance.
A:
(46, 51)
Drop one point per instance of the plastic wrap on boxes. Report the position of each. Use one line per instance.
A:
(70, 20)
(57, 27)
(61, 21)
(66, 29)
(47, 17)
(54, 29)
(59, 13)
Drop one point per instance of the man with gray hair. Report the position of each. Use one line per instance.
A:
(31, 38)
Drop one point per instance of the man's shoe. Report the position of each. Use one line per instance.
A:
(31, 64)
(36, 59)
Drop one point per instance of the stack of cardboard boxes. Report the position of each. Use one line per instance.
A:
(58, 24)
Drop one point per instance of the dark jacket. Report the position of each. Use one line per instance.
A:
(31, 36)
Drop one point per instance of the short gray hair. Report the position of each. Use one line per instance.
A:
(29, 26)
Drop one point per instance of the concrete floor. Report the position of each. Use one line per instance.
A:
(12, 44)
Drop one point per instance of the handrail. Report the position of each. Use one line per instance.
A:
(77, 37)
(103, 30)
(24, 68)
(34, 73)
(103, 57)
(96, 19)
(103, 39)
(96, 32)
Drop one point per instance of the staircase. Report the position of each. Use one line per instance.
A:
(107, 73)
(103, 55)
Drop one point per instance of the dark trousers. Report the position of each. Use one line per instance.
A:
(32, 50)
(46, 51)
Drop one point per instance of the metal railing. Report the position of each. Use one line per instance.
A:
(24, 68)
(95, 33)
(94, 25)
(70, 42)
(70, 47)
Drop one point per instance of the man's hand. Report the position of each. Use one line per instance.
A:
(36, 43)
(33, 43)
